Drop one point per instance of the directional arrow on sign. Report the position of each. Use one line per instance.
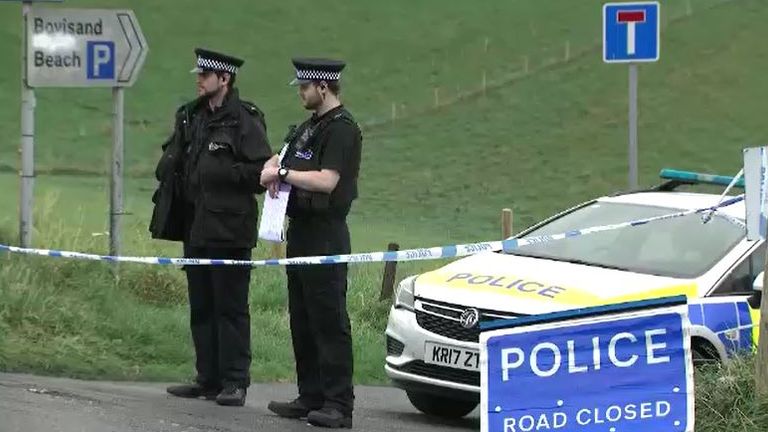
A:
(137, 48)
(84, 48)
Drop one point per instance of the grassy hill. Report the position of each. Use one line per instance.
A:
(548, 131)
(525, 136)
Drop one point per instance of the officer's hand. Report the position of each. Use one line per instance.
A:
(274, 188)
(268, 175)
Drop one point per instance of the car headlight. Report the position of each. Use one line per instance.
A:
(404, 293)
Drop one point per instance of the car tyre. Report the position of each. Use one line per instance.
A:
(439, 406)
(704, 354)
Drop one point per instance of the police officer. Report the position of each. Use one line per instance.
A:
(209, 173)
(321, 161)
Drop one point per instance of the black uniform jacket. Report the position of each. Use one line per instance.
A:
(209, 174)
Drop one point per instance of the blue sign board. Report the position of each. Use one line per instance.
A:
(100, 62)
(631, 32)
(626, 372)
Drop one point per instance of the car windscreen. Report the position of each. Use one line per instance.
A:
(682, 247)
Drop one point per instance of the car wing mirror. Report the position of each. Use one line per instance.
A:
(757, 284)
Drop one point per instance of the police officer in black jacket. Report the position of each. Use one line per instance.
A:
(209, 173)
(321, 163)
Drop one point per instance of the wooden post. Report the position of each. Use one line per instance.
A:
(526, 65)
(437, 97)
(761, 363)
(484, 81)
(394, 111)
(390, 274)
(506, 223)
(567, 50)
(277, 250)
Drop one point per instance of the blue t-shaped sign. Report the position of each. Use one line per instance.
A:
(631, 32)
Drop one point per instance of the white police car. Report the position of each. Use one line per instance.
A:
(433, 331)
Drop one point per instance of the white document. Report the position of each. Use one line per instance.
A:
(273, 215)
(271, 225)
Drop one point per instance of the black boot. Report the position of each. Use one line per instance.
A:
(232, 396)
(329, 418)
(193, 391)
(295, 409)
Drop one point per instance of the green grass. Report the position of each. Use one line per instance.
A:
(726, 399)
(73, 318)
(536, 142)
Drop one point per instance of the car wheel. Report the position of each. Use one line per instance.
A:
(703, 353)
(439, 406)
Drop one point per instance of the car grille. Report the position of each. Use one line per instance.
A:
(394, 346)
(443, 373)
(443, 319)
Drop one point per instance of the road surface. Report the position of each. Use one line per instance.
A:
(32, 403)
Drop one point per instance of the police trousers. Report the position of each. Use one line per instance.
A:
(219, 317)
(317, 302)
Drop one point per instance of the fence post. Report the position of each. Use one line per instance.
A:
(506, 223)
(390, 273)
(761, 362)
(277, 250)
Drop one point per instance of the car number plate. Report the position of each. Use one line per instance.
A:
(451, 356)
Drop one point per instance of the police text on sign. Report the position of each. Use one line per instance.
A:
(553, 356)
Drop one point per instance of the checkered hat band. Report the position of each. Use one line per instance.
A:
(319, 75)
(204, 63)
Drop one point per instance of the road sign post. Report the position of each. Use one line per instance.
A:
(26, 203)
(116, 179)
(631, 35)
(633, 181)
(87, 48)
(27, 173)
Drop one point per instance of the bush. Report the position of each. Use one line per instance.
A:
(161, 286)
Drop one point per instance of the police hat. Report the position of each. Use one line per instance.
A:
(316, 69)
(210, 61)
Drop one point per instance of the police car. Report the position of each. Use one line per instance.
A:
(433, 328)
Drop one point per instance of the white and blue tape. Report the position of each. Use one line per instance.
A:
(404, 255)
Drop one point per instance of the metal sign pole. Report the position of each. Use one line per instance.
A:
(633, 182)
(631, 35)
(116, 182)
(27, 141)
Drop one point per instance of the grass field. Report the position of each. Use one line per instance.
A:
(535, 141)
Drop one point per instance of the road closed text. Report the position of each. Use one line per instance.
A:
(586, 417)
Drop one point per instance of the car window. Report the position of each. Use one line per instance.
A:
(740, 280)
(682, 247)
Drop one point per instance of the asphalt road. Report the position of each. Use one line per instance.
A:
(32, 403)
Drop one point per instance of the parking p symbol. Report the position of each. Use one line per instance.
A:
(100, 60)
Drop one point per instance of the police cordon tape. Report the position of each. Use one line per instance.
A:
(372, 257)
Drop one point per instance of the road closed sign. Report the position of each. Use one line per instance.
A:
(625, 372)
(83, 48)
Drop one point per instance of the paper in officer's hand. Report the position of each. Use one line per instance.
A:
(271, 225)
